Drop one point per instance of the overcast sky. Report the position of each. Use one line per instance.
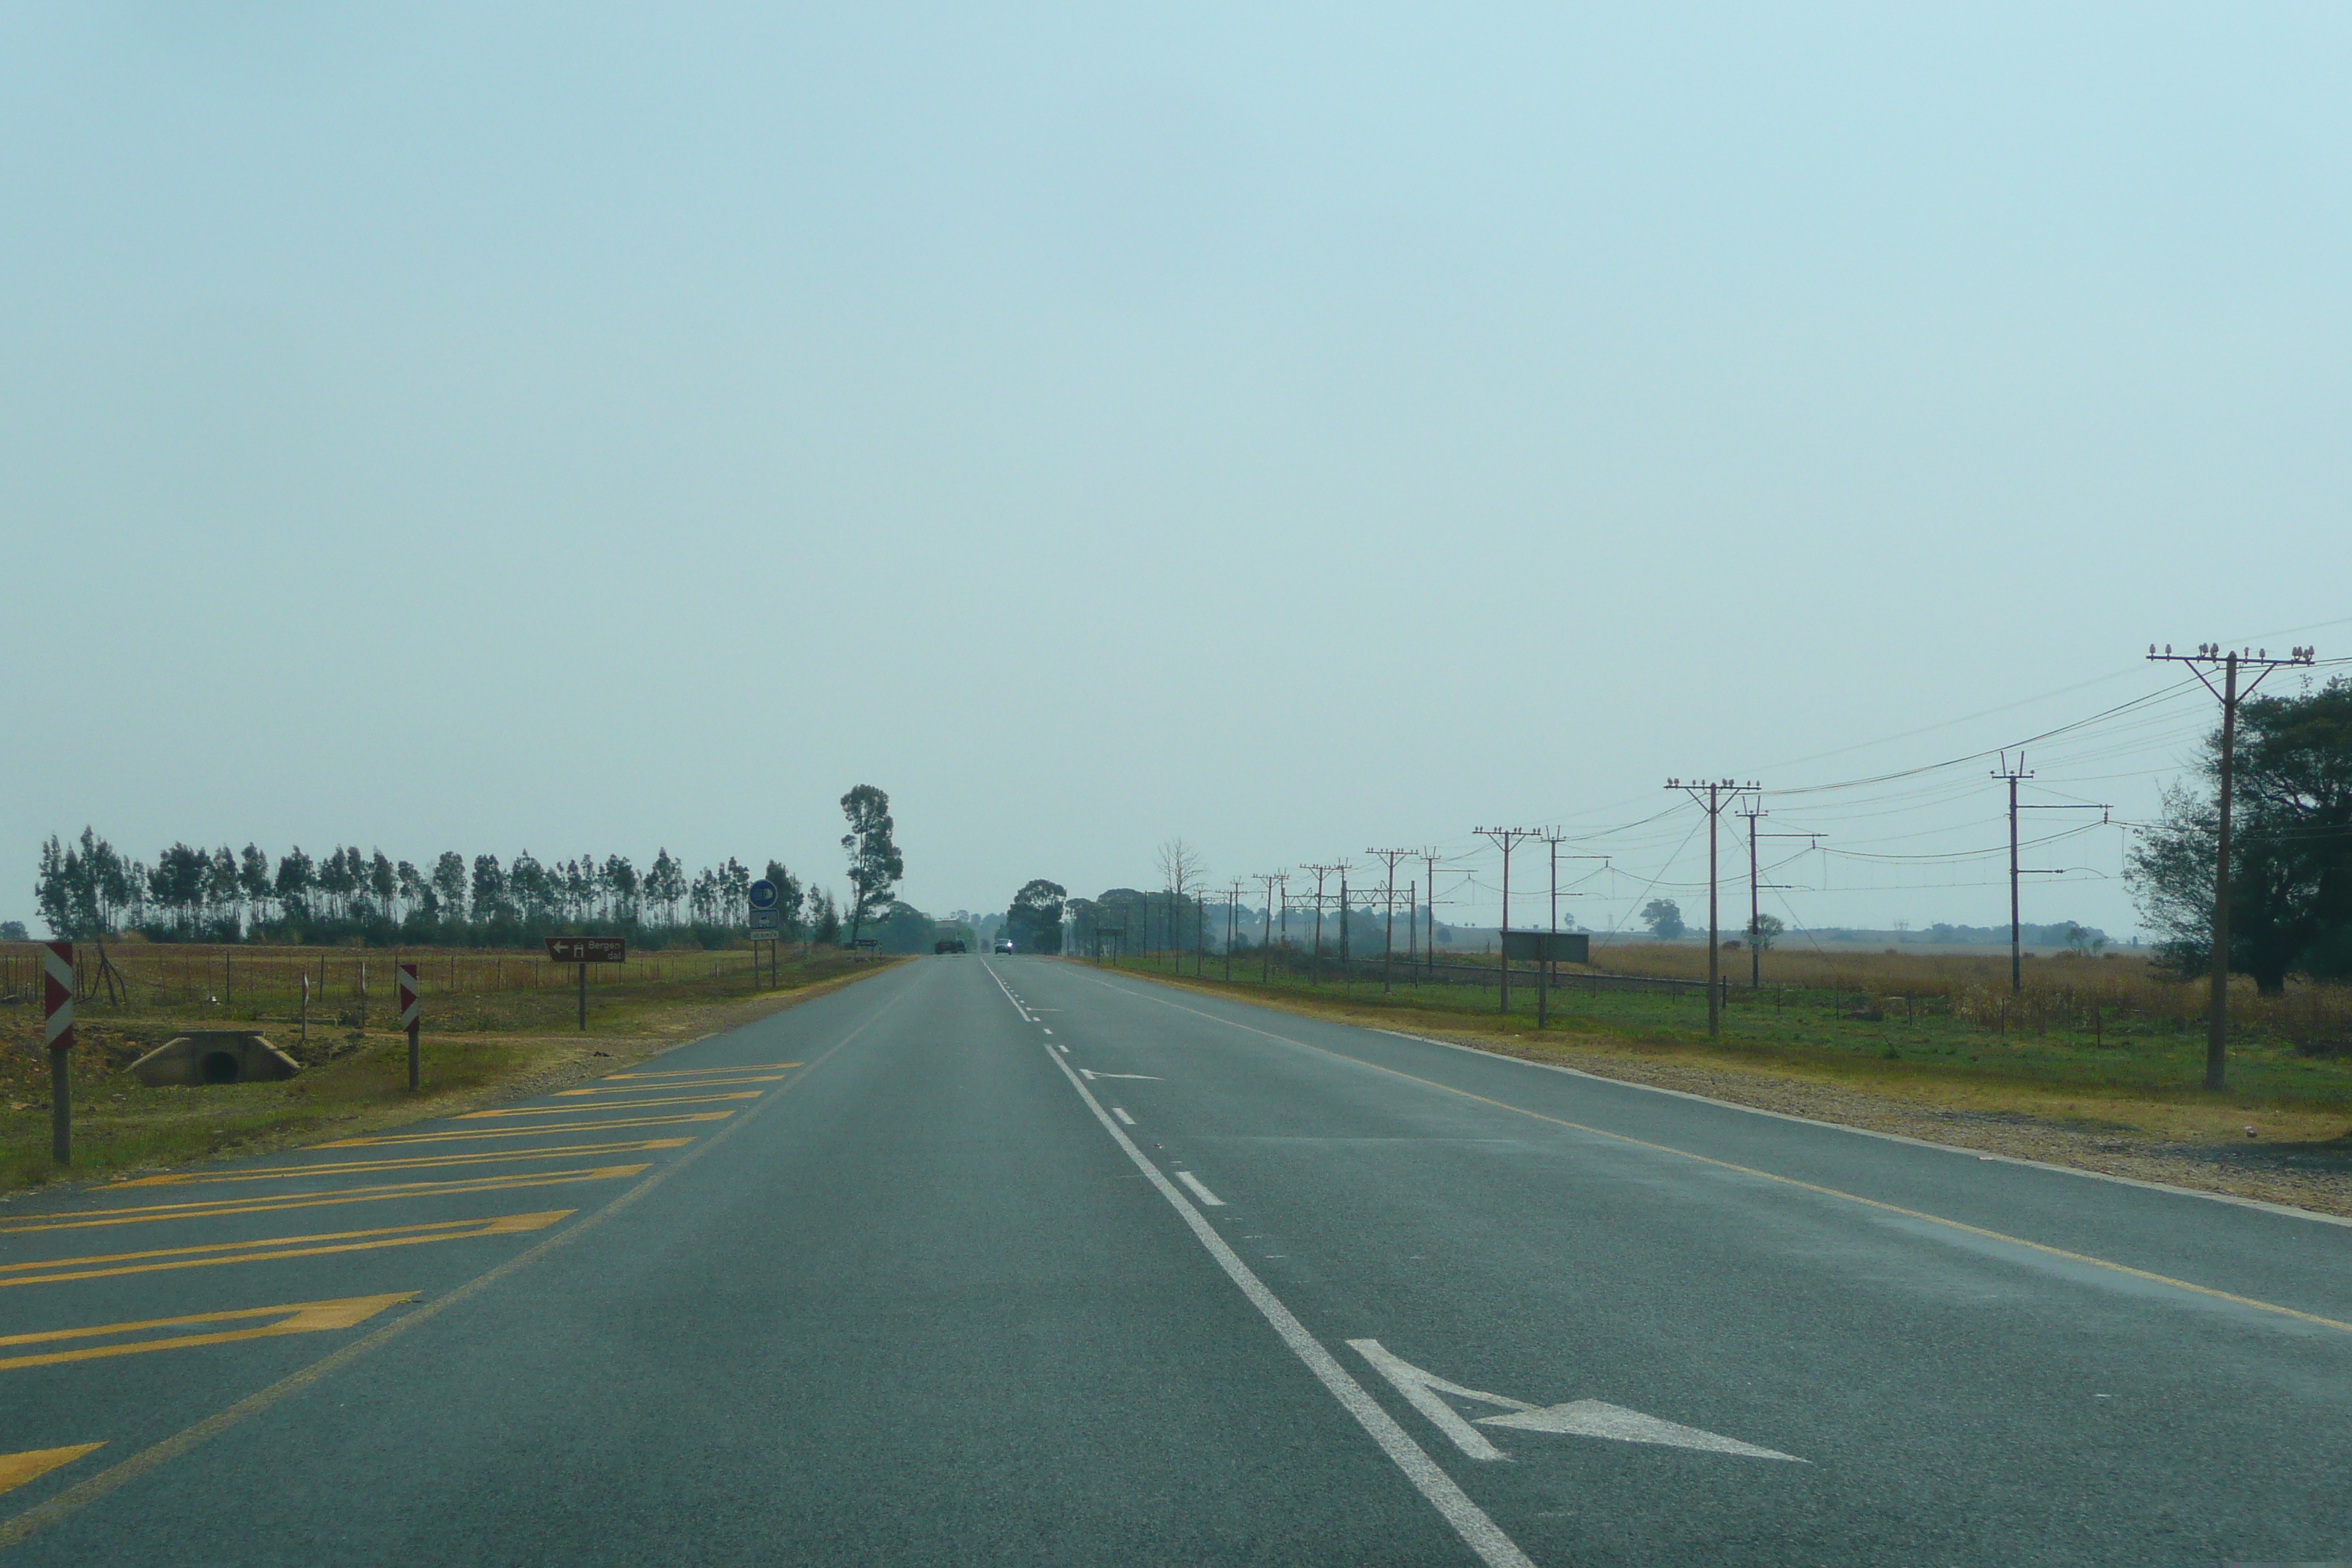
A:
(1299, 429)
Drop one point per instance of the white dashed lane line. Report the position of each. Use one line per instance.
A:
(1121, 1113)
(1200, 1192)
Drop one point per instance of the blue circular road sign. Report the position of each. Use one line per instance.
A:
(763, 894)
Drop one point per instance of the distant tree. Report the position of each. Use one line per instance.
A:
(449, 883)
(177, 882)
(528, 888)
(875, 864)
(13, 930)
(824, 917)
(489, 888)
(81, 885)
(383, 881)
(2083, 940)
(788, 897)
(295, 874)
(221, 885)
(1764, 930)
(1181, 871)
(410, 887)
(1664, 919)
(664, 885)
(253, 881)
(1034, 919)
(335, 880)
(622, 879)
(903, 928)
(702, 897)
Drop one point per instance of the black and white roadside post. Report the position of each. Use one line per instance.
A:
(58, 1034)
(767, 923)
(584, 951)
(411, 1009)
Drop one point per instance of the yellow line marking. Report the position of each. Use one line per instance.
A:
(575, 1110)
(1883, 1208)
(668, 1087)
(416, 1163)
(297, 1318)
(698, 1072)
(15, 1470)
(58, 1270)
(24, 1526)
(79, 1219)
(390, 1140)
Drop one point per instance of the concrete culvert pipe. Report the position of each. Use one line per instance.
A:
(219, 1067)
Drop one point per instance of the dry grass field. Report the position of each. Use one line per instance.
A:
(496, 1024)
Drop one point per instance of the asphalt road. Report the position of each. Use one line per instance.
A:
(1014, 1260)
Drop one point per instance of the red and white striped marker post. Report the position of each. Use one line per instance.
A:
(58, 992)
(410, 1009)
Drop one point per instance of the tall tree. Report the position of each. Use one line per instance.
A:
(788, 897)
(1180, 871)
(253, 881)
(295, 874)
(449, 883)
(489, 888)
(2291, 861)
(875, 864)
(1034, 919)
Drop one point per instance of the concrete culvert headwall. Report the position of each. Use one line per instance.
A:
(215, 1055)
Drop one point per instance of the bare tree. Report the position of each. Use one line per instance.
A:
(1182, 870)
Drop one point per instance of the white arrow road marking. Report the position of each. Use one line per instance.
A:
(1416, 1386)
(1145, 1076)
(1200, 1192)
(1120, 1111)
(1591, 1419)
(1578, 1417)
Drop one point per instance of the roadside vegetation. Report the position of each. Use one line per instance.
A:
(497, 1025)
(2111, 1029)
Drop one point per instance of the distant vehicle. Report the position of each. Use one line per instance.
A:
(1004, 944)
(947, 944)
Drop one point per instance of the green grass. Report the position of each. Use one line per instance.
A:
(1935, 1037)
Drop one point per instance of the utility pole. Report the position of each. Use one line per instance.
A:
(1553, 839)
(1389, 857)
(1266, 948)
(2016, 938)
(1506, 839)
(1320, 872)
(1232, 917)
(1428, 858)
(1755, 904)
(1721, 792)
(2217, 1021)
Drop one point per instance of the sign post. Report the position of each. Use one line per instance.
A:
(767, 923)
(409, 1009)
(58, 992)
(584, 951)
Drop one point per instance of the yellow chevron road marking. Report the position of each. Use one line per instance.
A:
(296, 1318)
(392, 1140)
(79, 1219)
(106, 1266)
(416, 1163)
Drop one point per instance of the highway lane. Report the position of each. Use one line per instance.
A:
(1024, 1260)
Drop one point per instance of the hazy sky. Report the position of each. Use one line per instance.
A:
(608, 428)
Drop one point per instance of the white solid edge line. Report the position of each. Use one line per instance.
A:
(1480, 1533)
(1120, 1111)
(2284, 1211)
(2287, 1211)
(1199, 1191)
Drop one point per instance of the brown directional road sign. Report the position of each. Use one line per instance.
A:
(588, 949)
